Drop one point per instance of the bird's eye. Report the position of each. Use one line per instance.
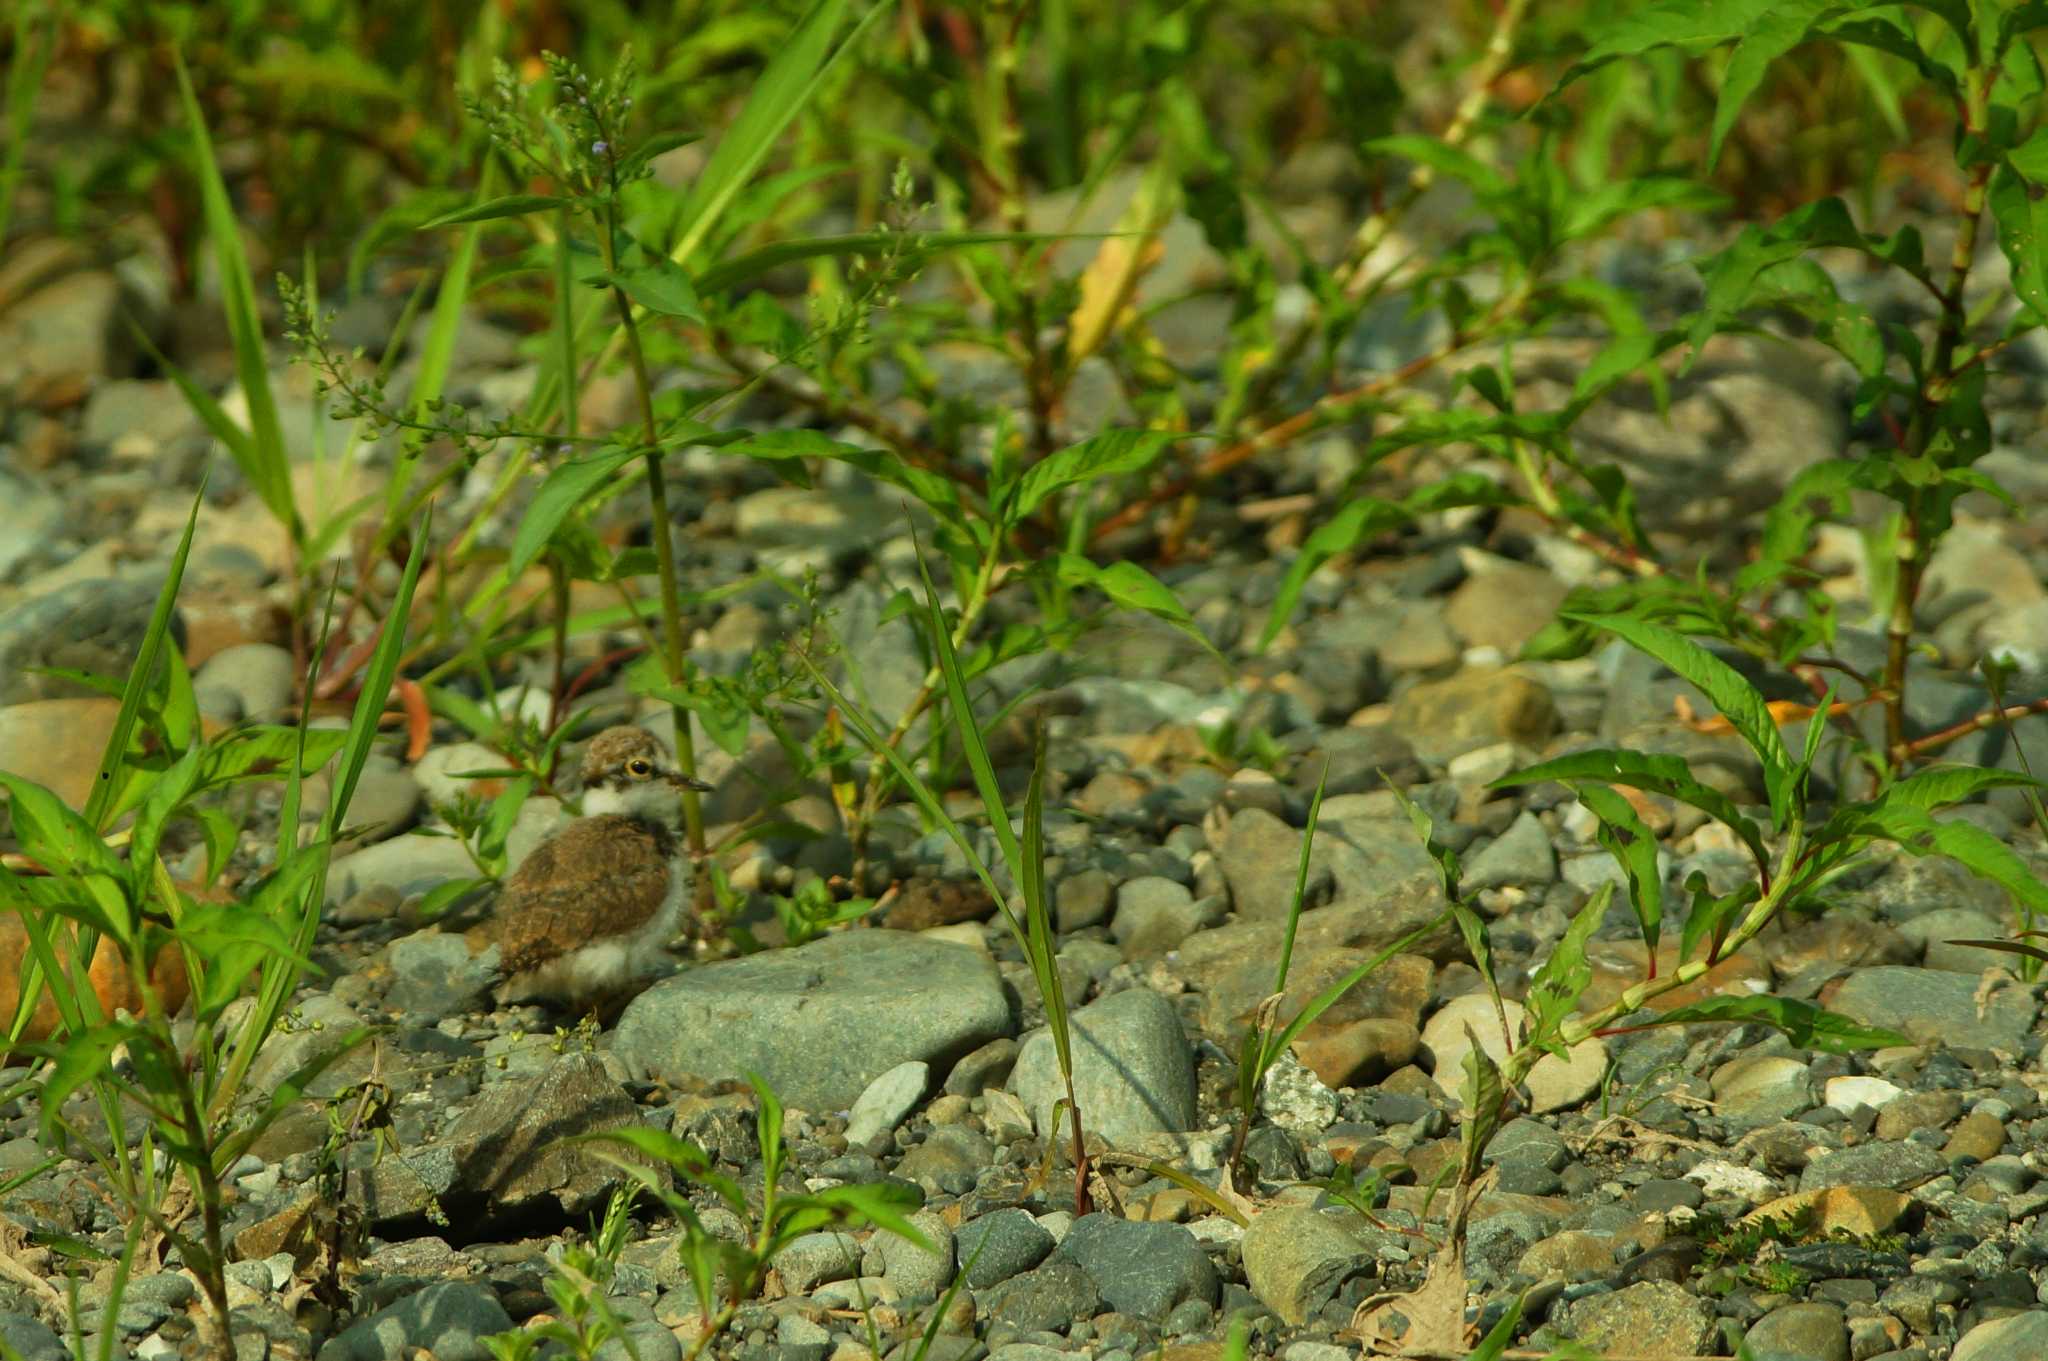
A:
(639, 768)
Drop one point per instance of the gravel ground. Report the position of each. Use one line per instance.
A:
(1664, 1192)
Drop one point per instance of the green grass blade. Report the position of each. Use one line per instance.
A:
(24, 77)
(264, 460)
(438, 351)
(105, 783)
(785, 86)
(972, 746)
(280, 976)
(1308, 841)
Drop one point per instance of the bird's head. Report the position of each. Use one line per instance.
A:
(627, 770)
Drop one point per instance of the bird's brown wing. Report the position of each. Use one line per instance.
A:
(597, 877)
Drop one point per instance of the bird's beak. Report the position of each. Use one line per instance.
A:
(682, 781)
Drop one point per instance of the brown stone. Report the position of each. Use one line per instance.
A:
(1836, 942)
(1977, 1136)
(57, 742)
(1232, 968)
(1619, 965)
(111, 981)
(1503, 605)
(923, 902)
(1860, 1211)
(1356, 1053)
(1475, 708)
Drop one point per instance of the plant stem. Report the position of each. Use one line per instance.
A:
(674, 666)
(878, 771)
(1935, 391)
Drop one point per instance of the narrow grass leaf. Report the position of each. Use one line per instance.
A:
(1298, 900)
(106, 786)
(503, 206)
(779, 94)
(268, 465)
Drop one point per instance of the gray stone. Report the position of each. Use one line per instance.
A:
(434, 974)
(32, 531)
(1046, 1300)
(1000, 1245)
(919, 1273)
(31, 1339)
(1083, 899)
(1373, 868)
(1134, 1071)
(95, 625)
(411, 864)
(1521, 856)
(506, 1152)
(949, 1160)
(1648, 1319)
(1802, 1332)
(799, 1339)
(1935, 1006)
(248, 680)
(1144, 1270)
(988, 1066)
(1297, 1260)
(1155, 914)
(1900, 1166)
(447, 1318)
(815, 1258)
(819, 1022)
(886, 1101)
(2014, 1336)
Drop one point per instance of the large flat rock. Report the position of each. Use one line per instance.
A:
(821, 1022)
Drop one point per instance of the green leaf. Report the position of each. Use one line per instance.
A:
(658, 144)
(662, 287)
(51, 834)
(167, 792)
(1130, 586)
(1722, 684)
(1640, 28)
(1562, 979)
(82, 1058)
(2022, 219)
(1808, 1026)
(1444, 159)
(1710, 915)
(507, 205)
(1769, 36)
(1666, 775)
(1939, 786)
(1114, 453)
(1634, 847)
(266, 752)
(1965, 843)
(1485, 1097)
(567, 486)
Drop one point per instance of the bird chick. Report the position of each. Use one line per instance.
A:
(583, 922)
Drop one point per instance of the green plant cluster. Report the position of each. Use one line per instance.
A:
(628, 250)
